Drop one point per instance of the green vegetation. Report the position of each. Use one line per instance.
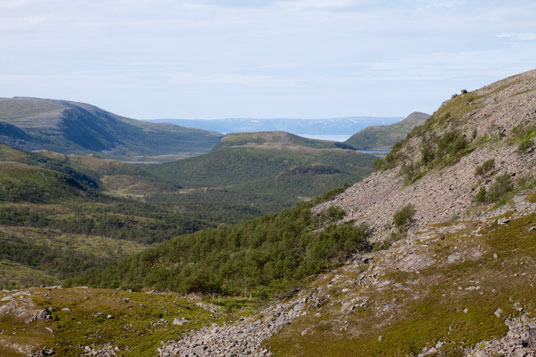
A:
(443, 302)
(67, 195)
(436, 151)
(78, 128)
(139, 320)
(525, 145)
(403, 218)
(262, 257)
(524, 136)
(241, 165)
(274, 139)
(503, 189)
(258, 178)
(484, 169)
(384, 137)
(55, 256)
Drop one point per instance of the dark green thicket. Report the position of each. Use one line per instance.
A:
(264, 256)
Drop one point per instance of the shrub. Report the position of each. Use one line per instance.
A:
(525, 144)
(501, 186)
(404, 217)
(486, 167)
(481, 196)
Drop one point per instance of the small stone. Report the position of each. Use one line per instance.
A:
(532, 337)
(180, 321)
(495, 256)
(380, 338)
(466, 310)
(498, 312)
(109, 317)
(46, 351)
(533, 228)
(66, 309)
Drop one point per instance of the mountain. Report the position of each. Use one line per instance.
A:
(267, 171)
(78, 128)
(431, 254)
(328, 126)
(384, 137)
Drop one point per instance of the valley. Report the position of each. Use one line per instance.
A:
(258, 247)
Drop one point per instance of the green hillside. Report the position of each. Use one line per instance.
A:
(266, 171)
(276, 140)
(63, 214)
(384, 137)
(78, 128)
(56, 221)
(268, 255)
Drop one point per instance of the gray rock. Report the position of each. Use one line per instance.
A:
(180, 321)
(532, 337)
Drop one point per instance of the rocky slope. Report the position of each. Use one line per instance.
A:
(453, 209)
(384, 137)
(455, 278)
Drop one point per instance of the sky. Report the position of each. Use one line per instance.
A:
(259, 58)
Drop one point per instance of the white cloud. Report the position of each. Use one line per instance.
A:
(523, 36)
(185, 78)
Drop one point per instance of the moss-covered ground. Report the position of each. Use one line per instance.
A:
(453, 301)
(135, 322)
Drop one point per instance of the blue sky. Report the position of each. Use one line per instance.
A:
(259, 58)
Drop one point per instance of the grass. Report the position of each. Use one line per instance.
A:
(432, 308)
(384, 137)
(138, 325)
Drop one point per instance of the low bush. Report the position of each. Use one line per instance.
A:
(485, 168)
(403, 218)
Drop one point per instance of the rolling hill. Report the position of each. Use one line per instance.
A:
(267, 171)
(384, 137)
(78, 128)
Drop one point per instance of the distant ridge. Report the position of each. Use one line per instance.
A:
(327, 126)
(384, 137)
(78, 128)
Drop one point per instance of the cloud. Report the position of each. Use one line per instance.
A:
(184, 78)
(520, 36)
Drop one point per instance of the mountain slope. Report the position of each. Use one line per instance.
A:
(78, 128)
(453, 207)
(432, 254)
(58, 219)
(384, 137)
(269, 170)
(454, 247)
